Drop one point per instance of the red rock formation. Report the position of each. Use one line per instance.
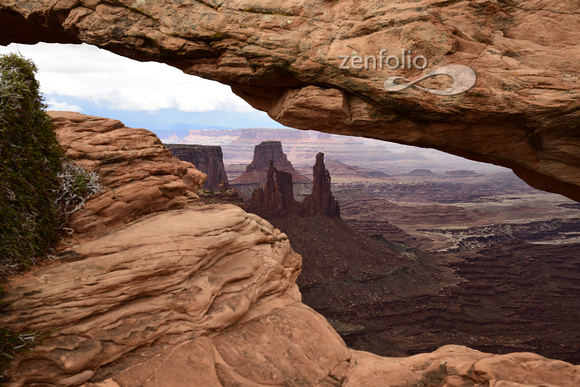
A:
(265, 152)
(257, 171)
(138, 173)
(321, 200)
(201, 296)
(206, 158)
(283, 58)
(276, 198)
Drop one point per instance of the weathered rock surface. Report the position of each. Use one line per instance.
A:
(283, 58)
(200, 296)
(206, 158)
(138, 173)
(207, 296)
(143, 293)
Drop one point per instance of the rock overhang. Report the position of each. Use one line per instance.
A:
(283, 58)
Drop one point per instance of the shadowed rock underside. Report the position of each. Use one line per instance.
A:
(283, 58)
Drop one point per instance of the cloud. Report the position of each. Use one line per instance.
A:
(105, 79)
(62, 106)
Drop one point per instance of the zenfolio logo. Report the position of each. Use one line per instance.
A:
(464, 78)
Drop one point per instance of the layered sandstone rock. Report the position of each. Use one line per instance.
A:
(207, 296)
(200, 296)
(138, 173)
(284, 58)
(206, 158)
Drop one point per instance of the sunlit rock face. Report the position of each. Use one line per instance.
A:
(138, 174)
(285, 58)
(197, 295)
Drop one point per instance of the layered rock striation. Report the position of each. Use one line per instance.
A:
(288, 59)
(201, 295)
(139, 175)
(207, 296)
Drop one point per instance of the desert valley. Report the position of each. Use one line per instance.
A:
(429, 249)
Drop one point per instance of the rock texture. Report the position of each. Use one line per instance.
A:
(283, 58)
(206, 158)
(200, 296)
(138, 173)
(257, 172)
(207, 296)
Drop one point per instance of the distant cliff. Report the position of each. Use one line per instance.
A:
(257, 171)
(276, 198)
(206, 158)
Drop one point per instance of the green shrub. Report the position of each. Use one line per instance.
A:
(30, 160)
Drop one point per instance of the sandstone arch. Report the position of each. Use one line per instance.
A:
(282, 57)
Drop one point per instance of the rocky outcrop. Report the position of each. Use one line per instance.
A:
(265, 152)
(206, 158)
(276, 198)
(284, 58)
(257, 171)
(321, 199)
(200, 295)
(207, 296)
(138, 173)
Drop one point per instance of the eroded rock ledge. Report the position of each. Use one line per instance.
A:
(282, 57)
(138, 174)
(207, 296)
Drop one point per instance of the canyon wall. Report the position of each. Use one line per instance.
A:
(285, 59)
(208, 159)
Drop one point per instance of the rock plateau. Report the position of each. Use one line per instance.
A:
(285, 58)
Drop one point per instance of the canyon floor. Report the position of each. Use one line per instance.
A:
(492, 263)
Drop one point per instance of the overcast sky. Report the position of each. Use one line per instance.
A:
(93, 81)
